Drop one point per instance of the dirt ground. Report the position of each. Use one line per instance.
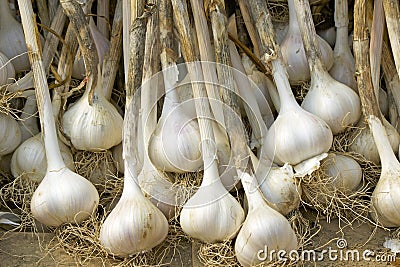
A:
(23, 249)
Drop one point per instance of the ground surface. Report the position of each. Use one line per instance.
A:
(23, 249)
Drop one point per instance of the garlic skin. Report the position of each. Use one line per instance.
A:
(345, 172)
(385, 200)
(10, 134)
(263, 228)
(175, 142)
(211, 214)
(335, 103)
(135, 224)
(12, 39)
(294, 54)
(29, 159)
(7, 72)
(63, 197)
(93, 128)
(102, 46)
(279, 187)
(329, 35)
(363, 142)
(117, 156)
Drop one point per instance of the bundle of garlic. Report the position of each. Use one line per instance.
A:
(135, 224)
(62, 196)
(335, 103)
(385, 204)
(294, 54)
(12, 42)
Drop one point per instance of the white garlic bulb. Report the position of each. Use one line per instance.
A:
(10, 134)
(264, 228)
(345, 173)
(102, 45)
(296, 135)
(211, 214)
(29, 159)
(335, 103)
(278, 185)
(7, 72)
(63, 197)
(135, 224)
(93, 127)
(362, 141)
(294, 54)
(12, 39)
(175, 143)
(385, 200)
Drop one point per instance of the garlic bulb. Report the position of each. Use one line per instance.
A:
(174, 144)
(296, 135)
(93, 127)
(7, 72)
(211, 214)
(362, 141)
(10, 134)
(135, 224)
(345, 172)
(63, 197)
(28, 122)
(344, 66)
(337, 104)
(29, 159)
(264, 228)
(102, 45)
(294, 54)
(12, 39)
(329, 35)
(278, 185)
(385, 200)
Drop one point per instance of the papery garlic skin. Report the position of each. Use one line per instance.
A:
(10, 134)
(279, 188)
(297, 135)
(334, 102)
(102, 46)
(345, 172)
(12, 39)
(363, 143)
(263, 228)
(93, 128)
(7, 72)
(211, 214)
(63, 197)
(133, 226)
(294, 54)
(29, 159)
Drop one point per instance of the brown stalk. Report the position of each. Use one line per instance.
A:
(392, 13)
(113, 56)
(390, 74)
(43, 12)
(361, 55)
(86, 43)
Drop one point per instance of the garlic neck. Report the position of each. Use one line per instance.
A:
(211, 175)
(5, 13)
(293, 25)
(251, 188)
(341, 45)
(317, 70)
(131, 184)
(388, 158)
(170, 100)
(286, 96)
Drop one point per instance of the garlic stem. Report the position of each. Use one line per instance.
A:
(126, 22)
(255, 39)
(286, 97)
(392, 13)
(392, 80)
(250, 186)
(103, 10)
(53, 154)
(375, 50)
